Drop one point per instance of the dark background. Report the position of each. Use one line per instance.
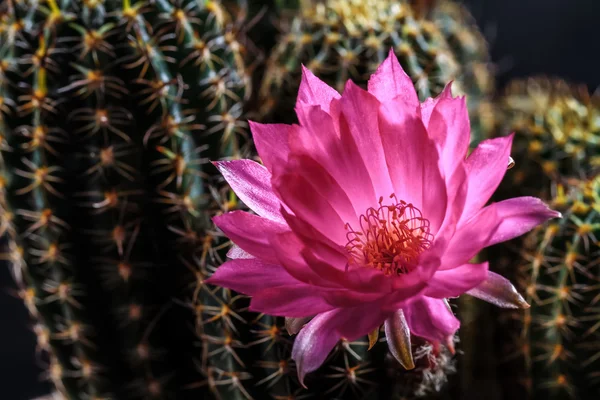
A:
(527, 37)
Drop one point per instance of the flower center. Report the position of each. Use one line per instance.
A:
(390, 237)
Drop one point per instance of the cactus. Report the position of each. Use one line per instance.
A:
(554, 344)
(560, 333)
(110, 112)
(347, 39)
(557, 130)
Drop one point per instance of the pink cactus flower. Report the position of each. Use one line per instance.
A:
(368, 213)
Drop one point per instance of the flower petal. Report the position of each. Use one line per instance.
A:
(314, 208)
(320, 335)
(314, 343)
(252, 183)
(499, 291)
(429, 104)
(519, 215)
(315, 92)
(271, 141)
(327, 140)
(251, 233)
(486, 167)
(287, 247)
(431, 319)
(298, 300)
(398, 339)
(450, 129)
(249, 276)
(390, 81)
(456, 281)
(236, 252)
(412, 160)
(360, 111)
(470, 238)
(319, 180)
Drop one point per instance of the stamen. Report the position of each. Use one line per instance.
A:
(390, 238)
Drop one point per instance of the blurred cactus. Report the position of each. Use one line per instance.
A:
(557, 128)
(435, 41)
(556, 341)
(560, 337)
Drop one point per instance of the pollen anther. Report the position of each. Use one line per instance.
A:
(390, 238)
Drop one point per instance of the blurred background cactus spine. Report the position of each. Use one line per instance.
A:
(555, 344)
(435, 41)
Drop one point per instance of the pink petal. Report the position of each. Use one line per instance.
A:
(314, 343)
(485, 167)
(499, 291)
(470, 238)
(457, 189)
(299, 300)
(360, 111)
(412, 160)
(252, 183)
(519, 215)
(493, 224)
(271, 141)
(450, 129)
(367, 280)
(314, 208)
(328, 141)
(320, 181)
(315, 92)
(364, 284)
(249, 276)
(350, 298)
(390, 81)
(287, 246)
(428, 106)
(251, 233)
(431, 319)
(320, 335)
(454, 282)
(235, 252)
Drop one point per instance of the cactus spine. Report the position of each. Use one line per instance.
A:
(106, 195)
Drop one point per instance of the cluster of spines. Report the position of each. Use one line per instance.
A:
(347, 39)
(555, 149)
(556, 126)
(38, 234)
(111, 190)
(560, 337)
(127, 113)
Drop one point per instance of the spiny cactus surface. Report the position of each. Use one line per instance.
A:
(560, 333)
(557, 128)
(110, 113)
(347, 39)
